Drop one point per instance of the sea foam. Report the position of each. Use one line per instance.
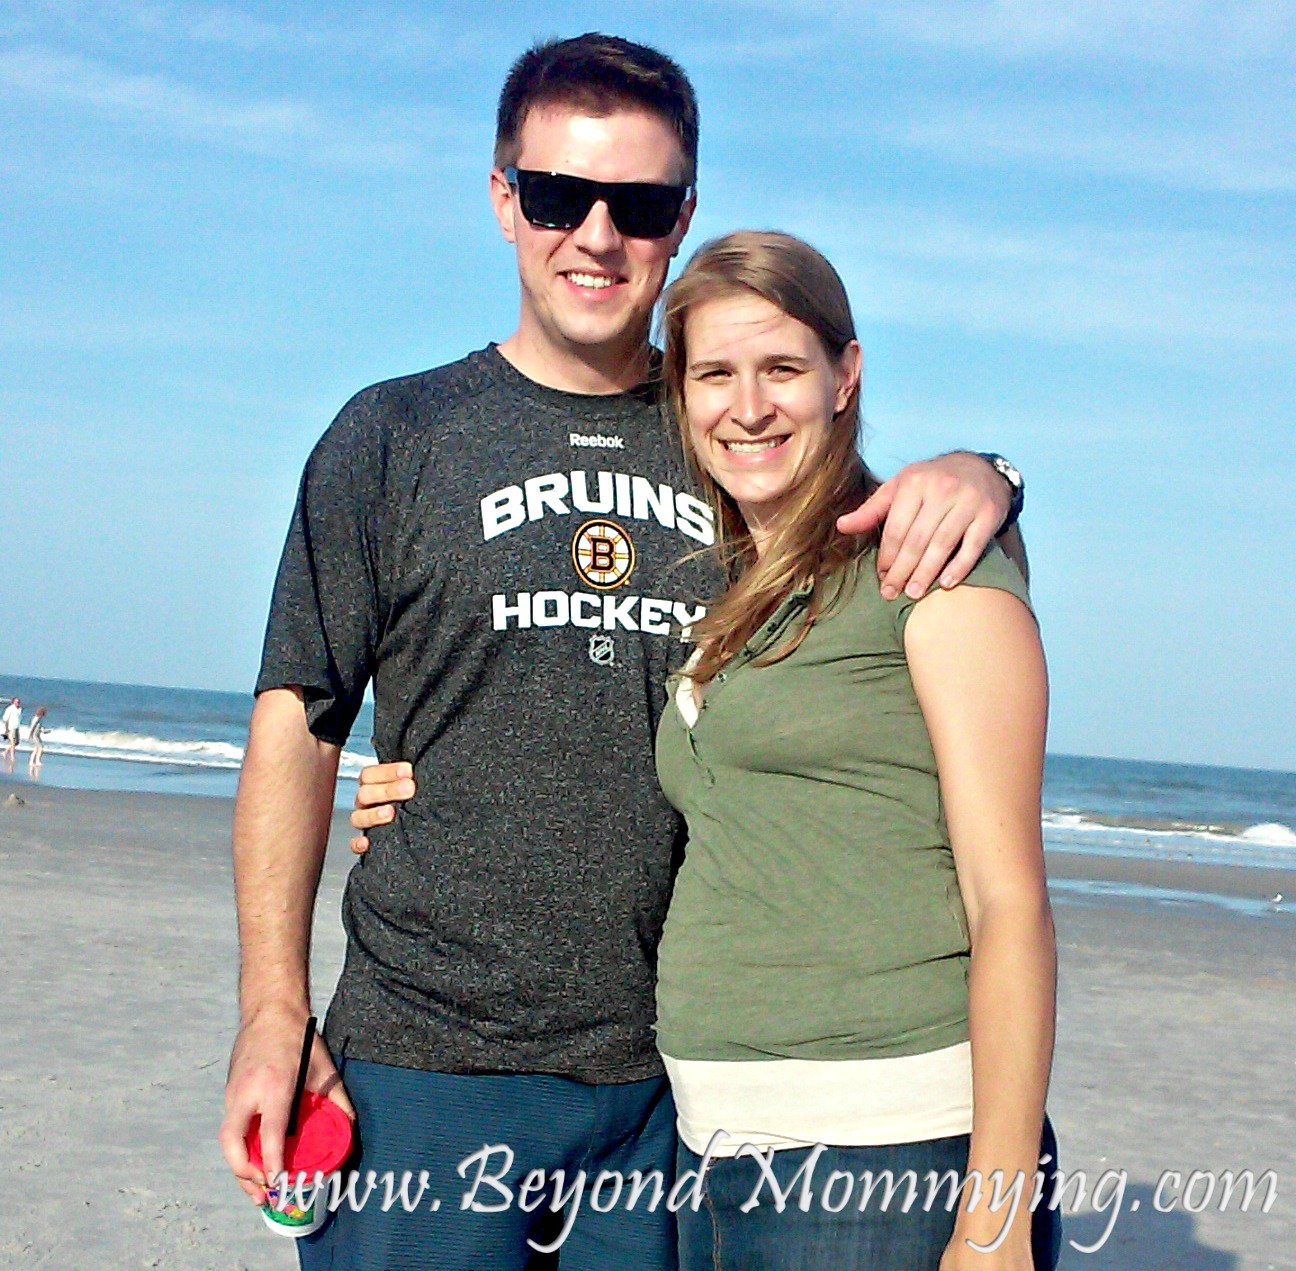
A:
(141, 748)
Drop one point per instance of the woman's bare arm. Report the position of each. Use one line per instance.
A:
(978, 669)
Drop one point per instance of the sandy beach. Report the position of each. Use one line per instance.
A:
(1177, 1045)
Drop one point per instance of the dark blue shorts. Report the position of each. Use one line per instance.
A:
(475, 1213)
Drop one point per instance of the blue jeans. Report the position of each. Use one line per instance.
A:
(833, 1231)
(411, 1121)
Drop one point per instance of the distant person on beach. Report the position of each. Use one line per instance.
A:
(36, 739)
(12, 721)
(493, 544)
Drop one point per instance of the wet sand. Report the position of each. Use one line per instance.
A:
(1177, 1044)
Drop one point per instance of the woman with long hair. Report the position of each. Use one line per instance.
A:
(859, 951)
(856, 977)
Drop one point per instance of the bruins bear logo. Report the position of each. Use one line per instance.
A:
(603, 555)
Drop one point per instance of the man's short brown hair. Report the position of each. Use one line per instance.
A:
(597, 74)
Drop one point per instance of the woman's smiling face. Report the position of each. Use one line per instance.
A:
(760, 393)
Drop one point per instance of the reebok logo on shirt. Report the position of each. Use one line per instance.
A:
(596, 441)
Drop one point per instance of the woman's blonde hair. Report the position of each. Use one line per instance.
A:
(805, 547)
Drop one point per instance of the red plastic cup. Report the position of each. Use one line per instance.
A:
(320, 1146)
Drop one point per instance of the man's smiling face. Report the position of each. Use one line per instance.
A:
(588, 292)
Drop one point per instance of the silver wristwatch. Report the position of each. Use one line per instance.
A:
(1016, 481)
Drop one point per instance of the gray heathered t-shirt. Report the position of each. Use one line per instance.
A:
(502, 560)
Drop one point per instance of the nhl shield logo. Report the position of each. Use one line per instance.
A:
(602, 650)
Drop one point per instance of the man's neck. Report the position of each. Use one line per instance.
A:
(589, 372)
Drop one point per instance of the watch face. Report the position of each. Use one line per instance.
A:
(1008, 472)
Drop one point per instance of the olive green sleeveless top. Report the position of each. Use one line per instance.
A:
(817, 914)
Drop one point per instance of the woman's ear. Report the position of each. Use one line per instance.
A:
(850, 366)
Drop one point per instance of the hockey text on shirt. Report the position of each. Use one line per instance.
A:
(602, 552)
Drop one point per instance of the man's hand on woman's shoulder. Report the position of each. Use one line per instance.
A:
(937, 518)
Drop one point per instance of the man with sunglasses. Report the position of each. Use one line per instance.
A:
(497, 546)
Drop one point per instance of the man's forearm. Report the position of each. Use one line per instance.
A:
(281, 825)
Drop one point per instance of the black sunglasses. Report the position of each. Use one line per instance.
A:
(639, 209)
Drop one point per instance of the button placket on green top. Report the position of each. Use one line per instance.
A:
(766, 636)
(672, 691)
(775, 625)
(708, 777)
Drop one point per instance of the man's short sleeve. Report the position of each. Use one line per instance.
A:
(324, 622)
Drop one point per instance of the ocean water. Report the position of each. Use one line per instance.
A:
(187, 741)
(160, 740)
(1122, 807)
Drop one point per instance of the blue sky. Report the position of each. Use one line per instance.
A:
(1067, 231)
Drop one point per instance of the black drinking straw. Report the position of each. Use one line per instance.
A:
(307, 1042)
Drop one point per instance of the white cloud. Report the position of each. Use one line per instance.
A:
(126, 325)
(221, 26)
(278, 128)
(1243, 145)
(363, 33)
(1190, 95)
(741, 48)
(1169, 293)
(1172, 31)
(1178, 32)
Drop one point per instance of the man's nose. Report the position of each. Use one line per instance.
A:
(597, 233)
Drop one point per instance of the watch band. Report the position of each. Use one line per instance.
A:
(1016, 482)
